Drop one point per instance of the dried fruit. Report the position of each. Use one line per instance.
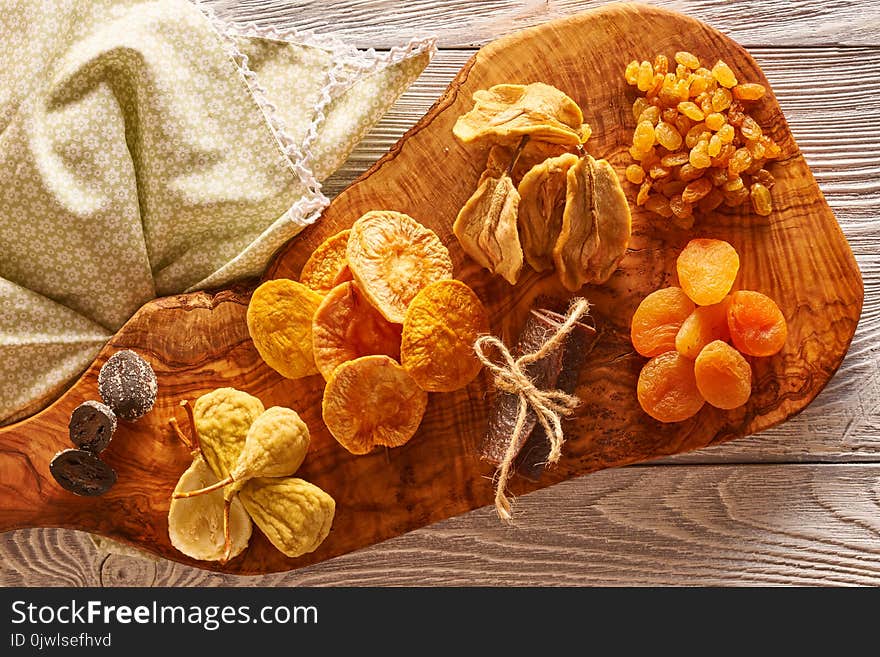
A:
(222, 420)
(658, 319)
(696, 118)
(295, 516)
(506, 112)
(275, 446)
(127, 384)
(706, 324)
(613, 222)
(326, 264)
(542, 201)
(761, 199)
(279, 320)
(667, 388)
(81, 472)
(91, 426)
(372, 401)
(346, 326)
(486, 227)
(439, 331)
(579, 235)
(757, 326)
(392, 257)
(723, 376)
(707, 269)
(197, 526)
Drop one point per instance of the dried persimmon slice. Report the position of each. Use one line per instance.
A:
(392, 257)
(372, 401)
(279, 320)
(346, 326)
(326, 264)
(439, 330)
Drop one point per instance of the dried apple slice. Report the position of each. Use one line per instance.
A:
(372, 401)
(392, 257)
(346, 326)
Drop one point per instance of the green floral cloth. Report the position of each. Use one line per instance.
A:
(147, 149)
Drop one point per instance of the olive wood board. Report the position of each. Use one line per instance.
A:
(197, 342)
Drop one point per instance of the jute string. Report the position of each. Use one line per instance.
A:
(550, 406)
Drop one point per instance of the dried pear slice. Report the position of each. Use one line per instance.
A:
(391, 257)
(441, 326)
(326, 264)
(223, 418)
(372, 401)
(614, 223)
(195, 525)
(542, 202)
(579, 235)
(486, 228)
(506, 112)
(295, 515)
(532, 153)
(346, 326)
(279, 320)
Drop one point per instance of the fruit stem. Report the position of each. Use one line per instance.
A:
(207, 489)
(517, 153)
(227, 538)
(176, 427)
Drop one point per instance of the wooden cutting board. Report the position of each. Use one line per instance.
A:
(198, 342)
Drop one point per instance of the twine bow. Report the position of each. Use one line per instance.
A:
(549, 406)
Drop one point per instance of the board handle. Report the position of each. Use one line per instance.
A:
(25, 483)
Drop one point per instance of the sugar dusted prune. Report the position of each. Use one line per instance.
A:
(127, 384)
(81, 472)
(92, 425)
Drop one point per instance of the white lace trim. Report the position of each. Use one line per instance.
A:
(307, 209)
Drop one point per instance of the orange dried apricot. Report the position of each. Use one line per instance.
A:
(757, 326)
(346, 326)
(667, 388)
(723, 376)
(706, 324)
(707, 269)
(658, 319)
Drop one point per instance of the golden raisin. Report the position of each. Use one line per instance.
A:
(643, 193)
(658, 319)
(696, 190)
(700, 155)
(667, 136)
(645, 77)
(707, 269)
(667, 388)
(635, 174)
(723, 74)
(750, 128)
(687, 59)
(643, 137)
(691, 111)
(723, 376)
(715, 121)
(749, 91)
(761, 199)
(632, 72)
(721, 99)
(757, 326)
(740, 161)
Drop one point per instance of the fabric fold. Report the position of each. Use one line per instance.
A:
(148, 149)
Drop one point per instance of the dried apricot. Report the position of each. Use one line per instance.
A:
(723, 376)
(326, 263)
(667, 389)
(658, 319)
(372, 401)
(706, 324)
(279, 320)
(346, 327)
(391, 257)
(757, 326)
(439, 331)
(707, 269)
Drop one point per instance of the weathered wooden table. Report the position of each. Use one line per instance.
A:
(799, 504)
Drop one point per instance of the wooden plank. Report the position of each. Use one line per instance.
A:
(650, 525)
(836, 130)
(464, 23)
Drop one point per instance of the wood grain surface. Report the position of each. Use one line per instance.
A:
(835, 131)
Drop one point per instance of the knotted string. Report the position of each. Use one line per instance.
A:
(548, 405)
